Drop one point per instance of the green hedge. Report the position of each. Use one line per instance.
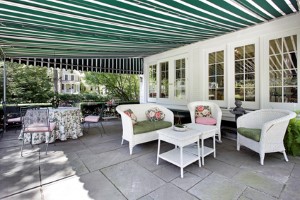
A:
(292, 137)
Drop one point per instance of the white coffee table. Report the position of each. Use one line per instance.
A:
(177, 156)
(206, 132)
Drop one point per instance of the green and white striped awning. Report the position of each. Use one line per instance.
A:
(124, 28)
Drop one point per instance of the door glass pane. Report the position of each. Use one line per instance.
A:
(290, 94)
(250, 51)
(283, 72)
(239, 94)
(212, 70)
(250, 94)
(152, 81)
(164, 80)
(275, 46)
(275, 94)
(216, 75)
(275, 78)
(180, 79)
(250, 80)
(239, 80)
(275, 62)
(290, 44)
(220, 69)
(249, 65)
(239, 53)
(239, 67)
(289, 78)
(245, 73)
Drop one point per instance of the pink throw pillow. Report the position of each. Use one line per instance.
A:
(206, 120)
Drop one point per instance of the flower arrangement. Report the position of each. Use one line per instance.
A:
(55, 101)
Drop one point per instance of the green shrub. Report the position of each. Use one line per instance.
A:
(292, 137)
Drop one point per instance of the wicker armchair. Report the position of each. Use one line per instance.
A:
(216, 113)
(270, 125)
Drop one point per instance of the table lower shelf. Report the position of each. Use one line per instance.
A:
(173, 156)
(194, 150)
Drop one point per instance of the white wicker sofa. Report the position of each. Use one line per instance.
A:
(140, 112)
(263, 131)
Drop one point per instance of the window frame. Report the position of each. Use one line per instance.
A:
(152, 99)
(265, 99)
(221, 103)
(257, 73)
(185, 77)
(160, 80)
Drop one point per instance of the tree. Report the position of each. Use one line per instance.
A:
(27, 84)
(122, 86)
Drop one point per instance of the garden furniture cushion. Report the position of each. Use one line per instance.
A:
(206, 120)
(155, 114)
(251, 133)
(91, 118)
(130, 113)
(147, 126)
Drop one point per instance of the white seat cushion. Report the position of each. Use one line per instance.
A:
(91, 118)
(40, 127)
(12, 120)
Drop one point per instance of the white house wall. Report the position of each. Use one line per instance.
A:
(197, 56)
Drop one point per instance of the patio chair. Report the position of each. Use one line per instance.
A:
(94, 119)
(215, 112)
(36, 120)
(263, 131)
(13, 117)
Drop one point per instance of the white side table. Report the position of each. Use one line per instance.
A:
(177, 156)
(206, 132)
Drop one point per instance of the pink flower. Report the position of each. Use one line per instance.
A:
(157, 115)
(200, 108)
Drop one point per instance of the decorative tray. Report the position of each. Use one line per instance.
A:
(180, 128)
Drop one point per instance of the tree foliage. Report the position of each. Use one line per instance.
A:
(27, 84)
(122, 86)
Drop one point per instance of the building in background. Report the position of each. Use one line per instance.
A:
(69, 82)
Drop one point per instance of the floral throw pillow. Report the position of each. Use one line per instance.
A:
(154, 114)
(131, 115)
(202, 111)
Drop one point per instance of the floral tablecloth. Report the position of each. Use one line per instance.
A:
(68, 125)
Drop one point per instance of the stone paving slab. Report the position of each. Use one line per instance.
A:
(296, 172)
(87, 187)
(107, 146)
(187, 182)
(216, 187)
(168, 172)
(251, 193)
(33, 194)
(14, 182)
(55, 171)
(278, 170)
(169, 191)
(199, 171)
(259, 182)
(149, 161)
(291, 190)
(220, 167)
(93, 167)
(133, 180)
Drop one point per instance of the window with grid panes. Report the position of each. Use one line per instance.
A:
(152, 81)
(164, 80)
(244, 65)
(180, 79)
(283, 70)
(216, 75)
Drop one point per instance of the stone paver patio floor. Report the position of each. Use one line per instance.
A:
(95, 167)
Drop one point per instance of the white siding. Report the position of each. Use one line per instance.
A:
(197, 53)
